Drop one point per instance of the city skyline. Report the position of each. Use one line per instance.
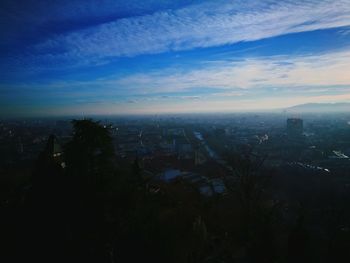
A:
(109, 57)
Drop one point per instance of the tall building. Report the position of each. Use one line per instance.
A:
(294, 127)
(53, 152)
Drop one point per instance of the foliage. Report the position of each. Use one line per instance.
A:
(89, 154)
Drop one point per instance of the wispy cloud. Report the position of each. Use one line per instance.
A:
(344, 32)
(55, 66)
(281, 71)
(313, 74)
(202, 25)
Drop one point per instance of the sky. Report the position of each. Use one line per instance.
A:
(102, 57)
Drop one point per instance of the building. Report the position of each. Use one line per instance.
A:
(53, 151)
(294, 127)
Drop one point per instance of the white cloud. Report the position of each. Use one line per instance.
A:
(344, 32)
(254, 83)
(204, 25)
(312, 74)
(277, 71)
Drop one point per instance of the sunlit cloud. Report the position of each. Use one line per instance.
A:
(281, 71)
(254, 83)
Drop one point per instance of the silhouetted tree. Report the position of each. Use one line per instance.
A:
(89, 154)
(246, 187)
(89, 168)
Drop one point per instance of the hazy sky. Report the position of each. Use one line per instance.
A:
(159, 56)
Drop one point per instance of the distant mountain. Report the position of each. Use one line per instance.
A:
(320, 107)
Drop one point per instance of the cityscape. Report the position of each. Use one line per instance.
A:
(187, 131)
(305, 159)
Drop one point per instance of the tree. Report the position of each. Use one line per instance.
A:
(89, 168)
(89, 154)
(246, 188)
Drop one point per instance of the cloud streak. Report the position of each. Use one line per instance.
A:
(202, 25)
(74, 55)
(327, 69)
(313, 74)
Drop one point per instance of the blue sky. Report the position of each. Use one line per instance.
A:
(129, 57)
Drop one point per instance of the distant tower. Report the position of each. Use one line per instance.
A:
(49, 167)
(53, 151)
(294, 127)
